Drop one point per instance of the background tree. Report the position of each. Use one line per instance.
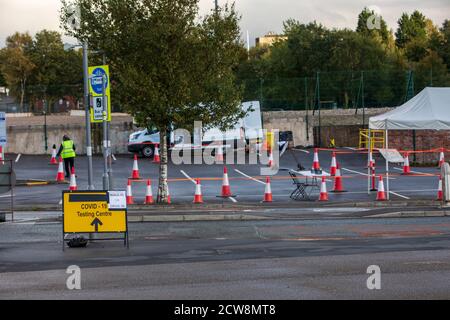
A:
(58, 73)
(382, 33)
(16, 65)
(172, 67)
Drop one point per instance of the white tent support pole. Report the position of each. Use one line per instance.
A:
(369, 149)
(387, 161)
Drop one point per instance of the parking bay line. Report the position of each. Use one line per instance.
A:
(399, 195)
(362, 174)
(193, 181)
(249, 177)
(418, 172)
(18, 157)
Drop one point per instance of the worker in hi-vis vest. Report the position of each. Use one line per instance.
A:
(67, 152)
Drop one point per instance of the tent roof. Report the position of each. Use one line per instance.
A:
(429, 110)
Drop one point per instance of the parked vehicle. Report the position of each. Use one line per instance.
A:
(248, 129)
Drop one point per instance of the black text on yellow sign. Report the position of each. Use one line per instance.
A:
(90, 212)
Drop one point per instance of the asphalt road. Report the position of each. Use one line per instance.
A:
(274, 259)
(246, 181)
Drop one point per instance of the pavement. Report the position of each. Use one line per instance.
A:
(266, 259)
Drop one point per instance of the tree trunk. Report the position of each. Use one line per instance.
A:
(22, 94)
(163, 168)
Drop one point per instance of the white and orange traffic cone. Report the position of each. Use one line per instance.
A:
(73, 181)
(440, 195)
(333, 167)
(135, 173)
(198, 197)
(60, 175)
(371, 162)
(2, 156)
(149, 193)
(268, 191)
(338, 185)
(169, 199)
(406, 167)
(53, 159)
(219, 155)
(156, 157)
(226, 190)
(130, 199)
(381, 194)
(374, 179)
(316, 164)
(441, 158)
(271, 162)
(323, 191)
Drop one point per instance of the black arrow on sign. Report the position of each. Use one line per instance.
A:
(96, 222)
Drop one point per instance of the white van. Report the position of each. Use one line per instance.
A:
(249, 128)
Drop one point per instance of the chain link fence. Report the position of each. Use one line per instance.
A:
(343, 90)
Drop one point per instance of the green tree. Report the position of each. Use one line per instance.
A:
(16, 65)
(2, 78)
(58, 72)
(172, 67)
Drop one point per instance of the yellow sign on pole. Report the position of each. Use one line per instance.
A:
(95, 212)
(99, 84)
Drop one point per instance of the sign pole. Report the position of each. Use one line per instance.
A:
(105, 138)
(88, 116)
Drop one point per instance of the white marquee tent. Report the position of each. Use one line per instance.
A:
(429, 110)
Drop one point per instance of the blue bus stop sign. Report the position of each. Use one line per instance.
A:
(96, 80)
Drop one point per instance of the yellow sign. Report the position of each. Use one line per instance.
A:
(94, 212)
(99, 83)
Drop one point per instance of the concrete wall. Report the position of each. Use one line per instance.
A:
(31, 139)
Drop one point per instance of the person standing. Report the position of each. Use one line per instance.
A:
(67, 152)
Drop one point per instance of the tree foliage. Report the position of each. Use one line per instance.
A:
(172, 67)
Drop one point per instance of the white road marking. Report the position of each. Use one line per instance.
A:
(6, 195)
(399, 195)
(187, 176)
(418, 172)
(247, 176)
(233, 199)
(60, 202)
(363, 174)
(301, 150)
(18, 157)
(350, 148)
(114, 158)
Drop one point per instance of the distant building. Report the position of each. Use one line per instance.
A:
(269, 39)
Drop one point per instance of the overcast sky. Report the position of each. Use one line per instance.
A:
(258, 16)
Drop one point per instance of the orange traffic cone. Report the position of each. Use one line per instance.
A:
(333, 164)
(60, 175)
(323, 191)
(226, 190)
(316, 164)
(406, 168)
(271, 162)
(219, 155)
(130, 199)
(371, 162)
(73, 181)
(441, 158)
(156, 157)
(135, 173)
(149, 193)
(2, 156)
(198, 197)
(374, 179)
(169, 199)
(381, 194)
(440, 196)
(268, 191)
(53, 159)
(338, 186)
